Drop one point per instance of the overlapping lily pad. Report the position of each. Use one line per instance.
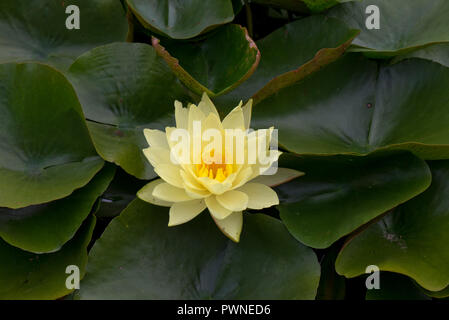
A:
(212, 66)
(45, 148)
(302, 5)
(47, 227)
(36, 30)
(395, 286)
(339, 194)
(411, 240)
(290, 54)
(354, 106)
(26, 276)
(123, 89)
(182, 19)
(438, 53)
(405, 25)
(131, 260)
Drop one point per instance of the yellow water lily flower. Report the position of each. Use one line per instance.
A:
(197, 174)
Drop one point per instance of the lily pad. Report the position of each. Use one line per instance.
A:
(209, 66)
(405, 25)
(29, 276)
(354, 106)
(45, 148)
(339, 194)
(36, 30)
(182, 19)
(302, 5)
(124, 88)
(395, 286)
(292, 53)
(411, 240)
(131, 259)
(47, 227)
(438, 53)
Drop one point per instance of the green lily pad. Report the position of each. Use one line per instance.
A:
(339, 194)
(36, 30)
(438, 53)
(124, 88)
(45, 148)
(29, 276)
(405, 25)
(442, 294)
(292, 53)
(395, 286)
(411, 240)
(182, 19)
(355, 107)
(302, 5)
(208, 66)
(131, 259)
(47, 227)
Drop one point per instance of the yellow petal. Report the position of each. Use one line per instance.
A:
(233, 200)
(281, 176)
(216, 209)
(157, 155)
(183, 212)
(235, 119)
(259, 195)
(247, 111)
(207, 106)
(231, 226)
(156, 138)
(181, 116)
(215, 186)
(167, 192)
(170, 173)
(243, 176)
(195, 114)
(146, 194)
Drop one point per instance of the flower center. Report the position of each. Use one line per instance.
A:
(209, 168)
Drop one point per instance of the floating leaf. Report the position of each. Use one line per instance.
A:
(411, 240)
(355, 107)
(339, 194)
(208, 66)
(45, 148)
(47, 227)
(182, 19)
(131, 260)
(36, 30)
(123, 89)
(405, 25)
(395, 286)
(29, 276)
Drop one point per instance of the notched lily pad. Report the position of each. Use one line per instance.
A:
(47, 227)
(411, 240)
(124, 88)
(216, 65)
(45, 148)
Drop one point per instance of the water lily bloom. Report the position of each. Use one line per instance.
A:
(222, 175)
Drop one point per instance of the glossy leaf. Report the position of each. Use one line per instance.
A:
(302, 5)
(339, 194)
(292, 53)
(394, 286)
(352, 107)
(209, 66)
(36, 30)
(405, 25)
(411, 240)
(47, 227)
(131, 260)
(45, 148)
(29, 276)
(123, 89)
(438, 53)
(182, 19)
